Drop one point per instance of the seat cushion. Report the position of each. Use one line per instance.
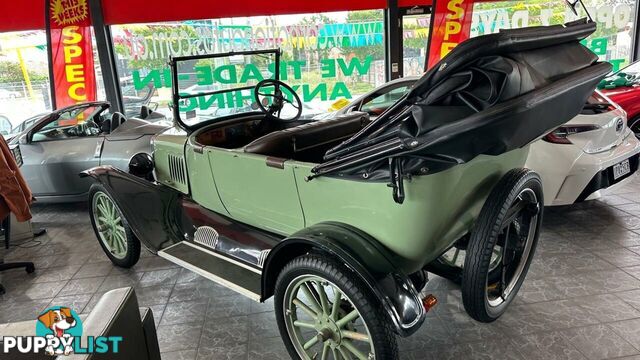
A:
(289, 142)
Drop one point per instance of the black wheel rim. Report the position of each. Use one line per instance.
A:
(515, 244)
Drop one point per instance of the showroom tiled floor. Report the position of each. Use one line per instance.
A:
(581, 299)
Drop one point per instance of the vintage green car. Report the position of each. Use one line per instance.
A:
(340, 219)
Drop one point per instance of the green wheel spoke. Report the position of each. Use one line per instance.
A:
(103, 210)
(120, 230)
(324, 302)
(348, 318)
(314, 340)
(303, 324)
(112, 209)
(325, 351)
(335, 310)
(352, 349)
(305, 308)
(109, 240)
(308, 293)
(345, 355)
(353, 335)
(102, 219)
(117, 246)
(120, 241)
(335, 354)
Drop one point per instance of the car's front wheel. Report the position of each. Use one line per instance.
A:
(111, 228)
(324, 311)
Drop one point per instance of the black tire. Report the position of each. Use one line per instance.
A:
(484, 237)
(132, 244)
(350, 284)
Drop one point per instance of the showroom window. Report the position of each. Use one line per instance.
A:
(24, 78)
(326, 57)
(613, 41)
(415, 34)
(25, 90)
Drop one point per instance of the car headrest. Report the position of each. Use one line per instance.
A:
(105, 127)
(145, 111)
(117, 119)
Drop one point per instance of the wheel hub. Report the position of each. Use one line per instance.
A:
(328, 331)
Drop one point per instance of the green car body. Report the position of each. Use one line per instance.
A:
(439, 209)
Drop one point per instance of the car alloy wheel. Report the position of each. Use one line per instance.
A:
(109, 225)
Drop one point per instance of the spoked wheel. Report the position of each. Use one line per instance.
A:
(502, 245)
(111, 228)
(325, 312)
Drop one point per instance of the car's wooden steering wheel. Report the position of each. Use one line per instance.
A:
(272, 102)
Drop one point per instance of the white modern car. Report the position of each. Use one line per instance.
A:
(577, 162)
(593, 152)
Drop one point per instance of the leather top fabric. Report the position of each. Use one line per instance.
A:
(492, 94)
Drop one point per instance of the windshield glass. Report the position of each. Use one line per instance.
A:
(213, 87)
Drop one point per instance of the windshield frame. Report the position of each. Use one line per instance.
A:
(175, 91)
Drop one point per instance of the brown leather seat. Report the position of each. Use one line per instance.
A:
(289, 142)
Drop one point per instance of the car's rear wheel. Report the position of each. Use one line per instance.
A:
(508, 224)
(324, 311)
(634, 125)
(111, 228)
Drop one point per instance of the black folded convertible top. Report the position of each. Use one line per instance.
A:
(492, 94)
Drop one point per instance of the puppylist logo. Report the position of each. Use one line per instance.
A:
(59, 332)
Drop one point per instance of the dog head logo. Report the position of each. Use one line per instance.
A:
(58, 320)
(60, 325)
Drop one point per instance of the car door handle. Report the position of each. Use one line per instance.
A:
(98, 152)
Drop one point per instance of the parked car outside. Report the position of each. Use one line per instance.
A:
(578, 161)
(9, 94)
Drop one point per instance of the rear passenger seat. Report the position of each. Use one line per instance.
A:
(289, 143)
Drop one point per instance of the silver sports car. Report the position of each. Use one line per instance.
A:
(61, 144)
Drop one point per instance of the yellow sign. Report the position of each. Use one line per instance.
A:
(64, 12)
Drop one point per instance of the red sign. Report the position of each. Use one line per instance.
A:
(74, 79)
(452, 25)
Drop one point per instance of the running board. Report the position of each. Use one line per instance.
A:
(230, 273)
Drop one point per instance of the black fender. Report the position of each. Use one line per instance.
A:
(152, 210)
(362, 254)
